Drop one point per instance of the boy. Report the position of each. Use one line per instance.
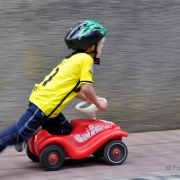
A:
(64, 83)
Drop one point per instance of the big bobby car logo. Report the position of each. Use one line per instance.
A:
(91, 131)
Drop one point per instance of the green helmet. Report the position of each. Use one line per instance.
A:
(84, 34)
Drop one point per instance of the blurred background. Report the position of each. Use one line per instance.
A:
(140, 69)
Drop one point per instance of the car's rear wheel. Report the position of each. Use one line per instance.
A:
(52, 158)
(31, 156)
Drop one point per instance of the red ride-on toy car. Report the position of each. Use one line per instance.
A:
(97, 137)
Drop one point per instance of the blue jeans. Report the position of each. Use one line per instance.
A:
(29, 122)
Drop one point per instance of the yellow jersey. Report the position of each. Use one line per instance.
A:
(62, 84)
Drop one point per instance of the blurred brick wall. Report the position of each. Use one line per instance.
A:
(140, 68)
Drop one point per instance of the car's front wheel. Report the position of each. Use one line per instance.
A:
(115, 152)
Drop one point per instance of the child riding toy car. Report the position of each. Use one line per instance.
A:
(89, 136)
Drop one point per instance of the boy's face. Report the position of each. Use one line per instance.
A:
(99, 48)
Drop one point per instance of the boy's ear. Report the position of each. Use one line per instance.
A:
(92, 48)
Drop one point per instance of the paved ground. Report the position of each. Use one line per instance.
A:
(152, 155)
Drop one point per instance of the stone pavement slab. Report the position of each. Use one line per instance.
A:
(151, 155)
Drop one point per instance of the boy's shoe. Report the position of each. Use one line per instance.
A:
(20, 147)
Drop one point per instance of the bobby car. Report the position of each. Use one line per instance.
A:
(98, 137)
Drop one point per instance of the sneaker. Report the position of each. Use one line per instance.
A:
(20, 147)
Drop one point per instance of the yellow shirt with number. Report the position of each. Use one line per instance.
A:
(62, 84)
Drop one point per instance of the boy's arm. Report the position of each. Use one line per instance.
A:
(90, 94)
(83, 97)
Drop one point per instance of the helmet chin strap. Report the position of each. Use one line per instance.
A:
(96, 60)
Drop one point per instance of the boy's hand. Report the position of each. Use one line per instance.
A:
(102, 105)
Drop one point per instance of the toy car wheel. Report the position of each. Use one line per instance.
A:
(98, 153)
(52, 158)
(115, 152)
(31, 155)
